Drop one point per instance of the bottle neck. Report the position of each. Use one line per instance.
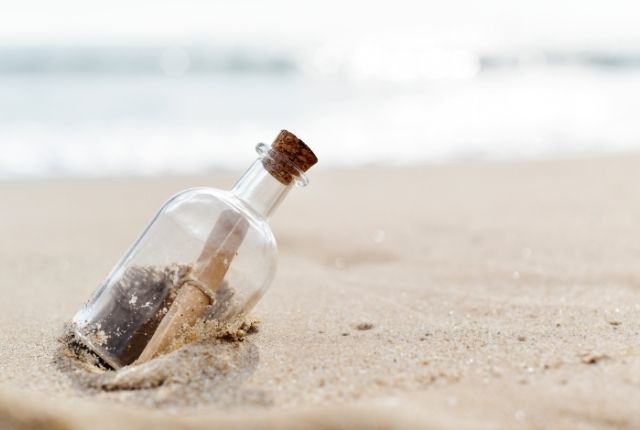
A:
(260, 190)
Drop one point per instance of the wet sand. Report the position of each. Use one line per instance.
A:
(471, 295)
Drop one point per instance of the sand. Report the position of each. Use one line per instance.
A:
(472, 295)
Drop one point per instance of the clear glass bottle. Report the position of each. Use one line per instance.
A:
(207, 254)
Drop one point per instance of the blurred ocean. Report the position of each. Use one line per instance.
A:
(91, 108)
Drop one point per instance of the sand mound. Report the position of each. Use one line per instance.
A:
(209, 370)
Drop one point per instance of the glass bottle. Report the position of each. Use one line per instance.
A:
(206, 255)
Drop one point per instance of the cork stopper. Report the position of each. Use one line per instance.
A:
(287, 157)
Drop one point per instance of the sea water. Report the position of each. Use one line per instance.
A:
(536, 79)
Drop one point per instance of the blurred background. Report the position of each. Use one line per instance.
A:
(143, 87)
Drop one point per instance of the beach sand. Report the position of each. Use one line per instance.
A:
(472, 295)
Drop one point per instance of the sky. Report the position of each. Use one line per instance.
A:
(471, 24)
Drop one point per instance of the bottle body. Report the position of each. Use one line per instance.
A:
(176, 249)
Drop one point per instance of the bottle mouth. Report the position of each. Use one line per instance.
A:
(300, 177)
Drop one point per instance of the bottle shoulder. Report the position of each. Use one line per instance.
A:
(214, 200)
